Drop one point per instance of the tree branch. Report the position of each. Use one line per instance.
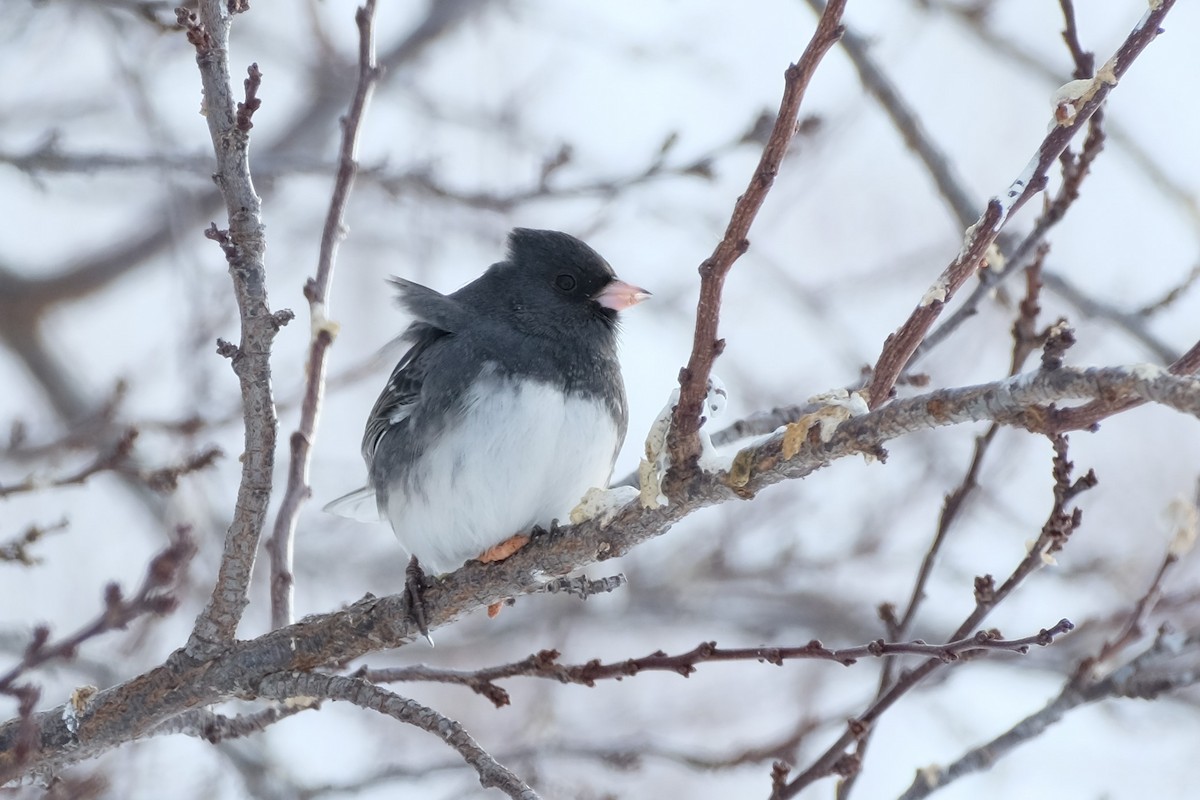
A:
(120, 713)
(900, 347)
(1058, 527)
(544, 664)
(1025, 339)
(316, 291)
(1142, 676)
(492, 774)
(683, 439)
(244, 248)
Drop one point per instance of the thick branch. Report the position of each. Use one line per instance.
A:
(244, 248)
(123, 712)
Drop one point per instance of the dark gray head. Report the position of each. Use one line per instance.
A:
(553, 285)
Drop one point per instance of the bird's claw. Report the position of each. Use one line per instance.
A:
(537, 531)
(415, 584)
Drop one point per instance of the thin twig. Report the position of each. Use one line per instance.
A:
(1025, 340)
(154, 596)
(16, 549)
(1173, 294)
(492, 774)
(1058, 527)
(683, 440)
(875, 80)
(117, 458)
(901, 347)
(316, 290)
(1135, 678)
(624, 755)
(1085, 61)
(545, 663)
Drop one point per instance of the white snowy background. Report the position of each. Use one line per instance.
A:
(851, 237)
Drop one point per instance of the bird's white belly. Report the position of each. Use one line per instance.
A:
(519, 456)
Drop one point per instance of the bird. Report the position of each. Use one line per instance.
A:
(506, 408)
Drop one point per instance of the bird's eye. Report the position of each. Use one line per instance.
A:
(565, 282)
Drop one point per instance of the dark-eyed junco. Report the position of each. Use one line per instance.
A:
(508, 406)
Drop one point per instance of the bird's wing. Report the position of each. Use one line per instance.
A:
(403, 388)
(437, 316)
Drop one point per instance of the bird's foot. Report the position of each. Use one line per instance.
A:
(501, 551)
(494, 608)
(415, 584)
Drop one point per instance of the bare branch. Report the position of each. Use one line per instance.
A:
(17, 548)
(901, 346)
(1085, 62)
(949, 185)
(1058, 527)
(1152, 672)
(244, 247)
(492, 774)
(154, 596)
(1086, 416)
(323, 329)
(623, 756)
(545, 663)
(1025, 339)
(118, 458)
(683, 439)
(213, 727)
(373, 624)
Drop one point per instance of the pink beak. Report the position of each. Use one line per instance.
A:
(620, 295)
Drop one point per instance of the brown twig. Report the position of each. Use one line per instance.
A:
(623, 756)
(545, 663)
(1086, 416)
(115, 457)
(1135, 678)
(1085, 61)
(374, 698)
(1025, 340)
(118, 458)
(154, 596)
(17, 549)
(1058, 527)
(683, 440)
(901, 347)
(316, 291)
(48, 157)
